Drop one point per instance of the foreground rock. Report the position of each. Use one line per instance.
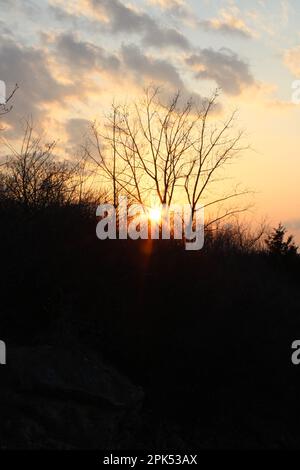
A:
(59, 398)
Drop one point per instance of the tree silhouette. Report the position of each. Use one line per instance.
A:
(277, 245)
(167, 150)
(33, 177)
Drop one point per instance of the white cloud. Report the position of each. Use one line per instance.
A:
(292, 60)
(228, 23)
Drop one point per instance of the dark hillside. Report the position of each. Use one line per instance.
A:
(201, 342)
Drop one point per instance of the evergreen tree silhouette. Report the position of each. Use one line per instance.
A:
(277, 245)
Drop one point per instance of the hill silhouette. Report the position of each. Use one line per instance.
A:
(200, 341)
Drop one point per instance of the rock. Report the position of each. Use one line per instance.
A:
(60, 398)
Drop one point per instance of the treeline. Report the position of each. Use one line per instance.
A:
(33, 179)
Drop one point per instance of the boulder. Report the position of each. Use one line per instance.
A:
(53, 397)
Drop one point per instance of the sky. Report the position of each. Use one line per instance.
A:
(71, 58)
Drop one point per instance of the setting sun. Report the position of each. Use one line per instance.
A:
(155, 214)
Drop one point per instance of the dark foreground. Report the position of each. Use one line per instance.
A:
(123, 345)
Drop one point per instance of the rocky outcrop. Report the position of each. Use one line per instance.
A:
(64, 398)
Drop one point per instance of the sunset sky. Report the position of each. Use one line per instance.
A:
(71, 58)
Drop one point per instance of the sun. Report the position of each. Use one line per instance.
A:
(155, 214)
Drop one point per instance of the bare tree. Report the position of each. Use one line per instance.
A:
(214, 147)
(7, 107)
(33, 176)
(237, 235)
(166, 150)
(103, 151)
(144, 147)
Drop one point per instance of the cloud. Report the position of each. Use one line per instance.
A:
(118, 18)
(5, 31)
(84, 56)
(27, 66)
(49, 92)
(28, 8)
(224, 67)
(176, 8)
(228, 24)
(292, 60)
(148, 70)
(78, 15)
(62, 14)
(67, 75)
(77, 130)
(151, 68)
(87, 58)
(167, 4)
(159, 37)
(38, 87)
